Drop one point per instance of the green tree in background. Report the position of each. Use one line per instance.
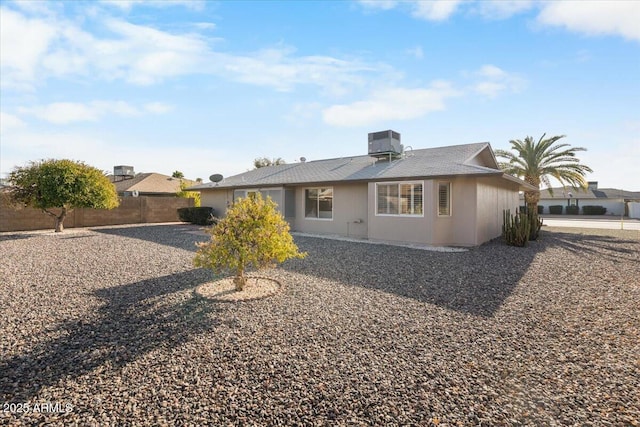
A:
(252, 234)
(536, 162)
(177, 174)
(195, 195)
(62, 185)
(262, 162)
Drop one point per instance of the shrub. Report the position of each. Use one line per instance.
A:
(572, 210)
(555, 209)
(252, 234)
(516, 229)
(594, 210)
(197, 215)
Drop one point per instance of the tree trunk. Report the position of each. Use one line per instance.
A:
(532, 197)
(240, 281)
(59, 219)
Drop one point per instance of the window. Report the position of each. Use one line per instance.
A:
(399, 199)
(318, 203)
(444, 199)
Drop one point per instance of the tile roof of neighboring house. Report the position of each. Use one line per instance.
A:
(149, 183)
(598, 193)
(423, 163)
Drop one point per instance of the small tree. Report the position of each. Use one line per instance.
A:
(262, 162)
(252, 234)
(195, 195)
(61, 184)
(177, 174)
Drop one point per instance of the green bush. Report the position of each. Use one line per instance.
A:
(555, 209)
(252, 234)
(594, 210)
(572, 210)
(197, 215)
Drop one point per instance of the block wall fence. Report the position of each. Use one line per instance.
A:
(132, 210)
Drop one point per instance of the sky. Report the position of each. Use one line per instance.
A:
(207, 87)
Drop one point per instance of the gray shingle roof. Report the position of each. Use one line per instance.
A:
(150, 183)
(429, 162)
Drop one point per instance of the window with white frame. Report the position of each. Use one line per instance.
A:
(318, 203)
(399, 198)
(444, 199)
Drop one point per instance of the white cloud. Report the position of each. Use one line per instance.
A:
(594, 17)
(9, 122)
(69, 112)
(280, 69)
(127, 5)
(23, 42)
(492, 81)
(435, 10)
(432, 10)
(612, 17)
(391, 104)
(502, 9)
(142, 55)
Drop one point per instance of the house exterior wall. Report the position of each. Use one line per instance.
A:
(459, 228)
(493, 197)
(476, 212)
(218, 199)
(411, 229)
(349, 206)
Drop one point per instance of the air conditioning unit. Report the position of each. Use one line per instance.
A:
(384, 143)
(123, 171)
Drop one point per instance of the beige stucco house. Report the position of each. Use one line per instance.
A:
(446, 196)
(616, 201)
(128, 183)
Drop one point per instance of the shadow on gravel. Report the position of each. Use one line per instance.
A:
(475, 282)
(176, 235)
(17, 236)
(133, 321)
(603, 245)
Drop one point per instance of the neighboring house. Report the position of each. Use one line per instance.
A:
(436, 196)
(145, 184)
(615, 200)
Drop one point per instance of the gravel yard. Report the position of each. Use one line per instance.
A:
(103, 327)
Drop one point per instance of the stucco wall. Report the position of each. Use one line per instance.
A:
(349, 206)
(217, 199)
(413, 229)
(458, 229)
(132, 210)
(494, 196)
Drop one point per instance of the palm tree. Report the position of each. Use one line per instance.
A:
(536, 162)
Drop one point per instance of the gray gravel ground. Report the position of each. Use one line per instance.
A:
(102, 327)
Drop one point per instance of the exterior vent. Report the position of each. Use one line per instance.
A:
(385, 143)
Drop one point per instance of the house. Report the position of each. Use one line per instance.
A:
(616, 201)
(127, 183)
(447, 196)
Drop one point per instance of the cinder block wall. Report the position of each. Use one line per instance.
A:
(132, 210)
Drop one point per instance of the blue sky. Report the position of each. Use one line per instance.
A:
(206, 87)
